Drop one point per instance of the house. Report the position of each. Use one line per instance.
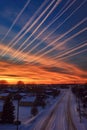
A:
(27, 101)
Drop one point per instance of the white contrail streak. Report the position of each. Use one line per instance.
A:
(71, 50)
(83, 44)
(59, 16)
(71, 55)
(38, 27)
(45, 29)
(85, 19)
(62, 43)
(54, 20)
(75, 48)
(29, 28)
(58, 28)
(61, 35)
(74, 54)
(65, 41)
(21, 12)
(11, 44)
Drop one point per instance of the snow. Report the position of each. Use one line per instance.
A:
(59, 114)
(1, 105)
(7, 127)
(24, 112)
(85, 122)
(28, 99)
(4, 94)
(55, 117)
(79, 125)
(38, 120)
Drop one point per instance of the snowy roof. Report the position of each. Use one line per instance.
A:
(1, 105)
(28, 99)
(4, 94)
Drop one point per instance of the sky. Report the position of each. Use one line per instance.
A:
(43, 41)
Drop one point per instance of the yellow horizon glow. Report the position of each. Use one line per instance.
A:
(42, 73)
(38, 75)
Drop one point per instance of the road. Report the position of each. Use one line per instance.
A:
(58, 118)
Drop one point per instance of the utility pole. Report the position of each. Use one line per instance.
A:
(18, 100)
(79, 94)
(17, 113)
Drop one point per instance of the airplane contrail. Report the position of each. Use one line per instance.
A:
(79, 6)
(75, 48)
(37, 28)
(21, 12)
(65, 41)
(76, 53)
(63, 58)
(46, 27)
(11, 44)
(63, 12)
(56, 29)
(60, 44)
(71, 55)
(59, 57)
(60, 36)
(83, 44)
(54, 20)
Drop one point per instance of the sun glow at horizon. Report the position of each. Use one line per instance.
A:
(40, 75)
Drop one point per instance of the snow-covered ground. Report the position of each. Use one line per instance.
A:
(7, 127)
(4, 94)
(60, 114)
(1, 105)
(75, 115)
(25, 111)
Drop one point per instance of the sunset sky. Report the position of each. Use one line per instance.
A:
(43, 41)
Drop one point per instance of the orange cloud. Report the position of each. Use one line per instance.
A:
(42, 70)
(38, 74)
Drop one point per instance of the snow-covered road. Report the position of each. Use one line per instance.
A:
(58, 118)
(61, 114)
